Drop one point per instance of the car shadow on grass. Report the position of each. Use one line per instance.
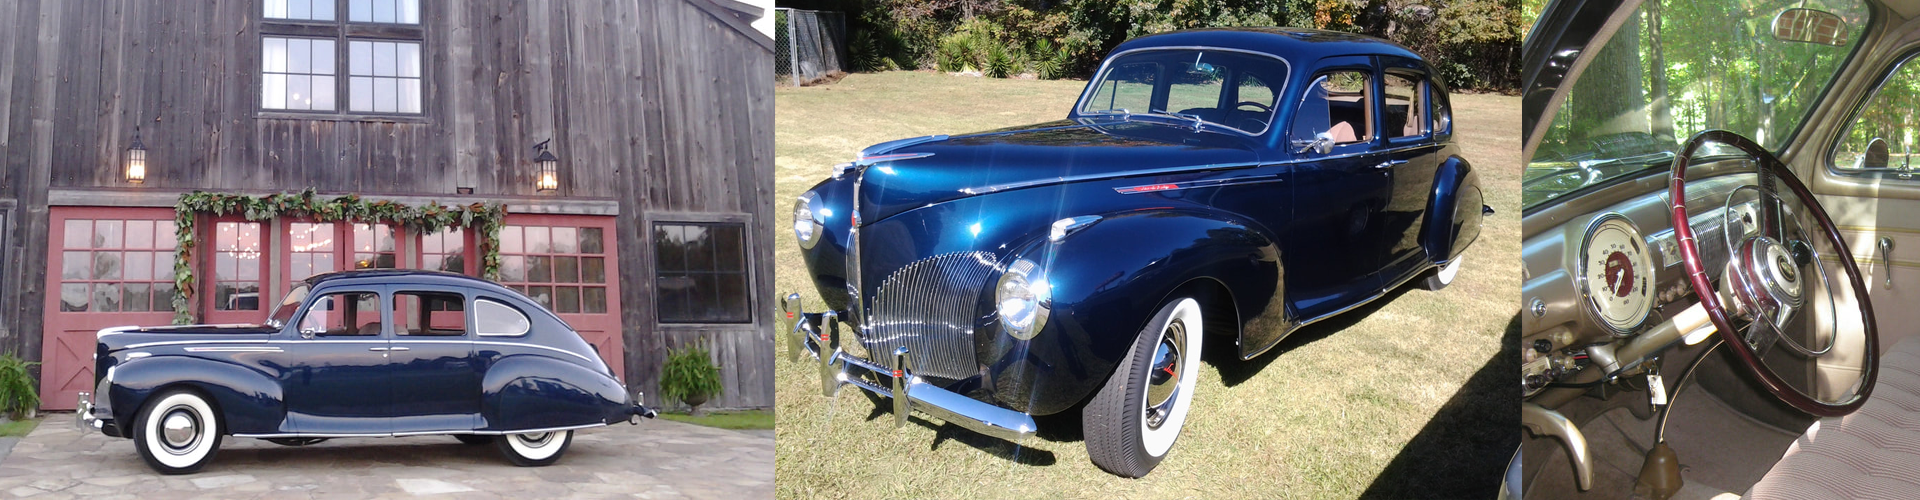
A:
(1464, 450)
(1225, 356)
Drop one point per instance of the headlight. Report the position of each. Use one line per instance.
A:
(806, 228)
(1024, 299)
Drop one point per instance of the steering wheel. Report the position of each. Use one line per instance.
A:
(1263, 108)
(1766, 274)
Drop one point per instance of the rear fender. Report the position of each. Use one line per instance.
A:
(1453, 212)
(524, 392)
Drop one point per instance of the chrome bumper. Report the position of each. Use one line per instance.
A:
(907, 391)
(83, 413)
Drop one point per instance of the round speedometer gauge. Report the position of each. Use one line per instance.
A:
(1616, 274)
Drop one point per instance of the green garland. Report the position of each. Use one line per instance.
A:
(483, 218)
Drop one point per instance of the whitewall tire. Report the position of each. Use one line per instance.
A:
(535, 449)
(1443, 276)
(178, 432)
(1134, 420)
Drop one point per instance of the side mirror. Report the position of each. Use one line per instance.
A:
(1876, 155)
(1809, 26)
(1321, 143)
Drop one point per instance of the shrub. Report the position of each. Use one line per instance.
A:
(956, 53)
(865, 54)
(17, 392)
(1049, 62)
(1000, 64)
(689, 372)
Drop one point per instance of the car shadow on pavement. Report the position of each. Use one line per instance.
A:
(1464, 450)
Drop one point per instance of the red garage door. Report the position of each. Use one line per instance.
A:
(569, 263)
(106, 267)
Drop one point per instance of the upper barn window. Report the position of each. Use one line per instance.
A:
(342, 56)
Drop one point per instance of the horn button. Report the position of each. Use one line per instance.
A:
(1767, 278)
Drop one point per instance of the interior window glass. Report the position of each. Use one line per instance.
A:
(497, 319)
(1406, 107)
(1127, 87)
(1882, 135)
(429, 314)
(1335, 107)
(1196, 91)
(1673, 70)
(343, 314)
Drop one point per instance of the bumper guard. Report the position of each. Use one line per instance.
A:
(907, 391)
(83, 413)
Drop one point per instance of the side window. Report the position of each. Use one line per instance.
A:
(1196, 91)
(1884, 132)
(1127, 87)
(1335, 106)
(343, 314)
(494, 319)
(1406, 106)
(436, 314)
(1254, 104)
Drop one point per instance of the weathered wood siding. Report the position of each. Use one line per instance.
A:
(663, 105)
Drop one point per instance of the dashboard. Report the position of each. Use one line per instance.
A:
(1597, 274)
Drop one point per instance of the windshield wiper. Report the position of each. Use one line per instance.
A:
(1196, 121)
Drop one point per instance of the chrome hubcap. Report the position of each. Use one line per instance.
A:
(1163, 375)
(180, 429)
(536, 440)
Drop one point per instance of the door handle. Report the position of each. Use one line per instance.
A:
(1389, 164)
(398, 349)
(1886, 260)
(377, 349)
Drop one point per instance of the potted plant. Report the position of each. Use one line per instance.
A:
(690, 377)
(18, 397)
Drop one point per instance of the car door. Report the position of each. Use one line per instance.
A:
(1332, 249)
(435, 378)
(1410, 160)
(339, 381)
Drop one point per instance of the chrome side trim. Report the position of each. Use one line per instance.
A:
(1176, 186)
(344, 341)
(1173, 170)
(418, 433)
(233, 349)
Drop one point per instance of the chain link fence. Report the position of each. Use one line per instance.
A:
(808, 45)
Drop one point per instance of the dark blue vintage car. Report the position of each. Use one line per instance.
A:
(359, 354)
(1228, 184)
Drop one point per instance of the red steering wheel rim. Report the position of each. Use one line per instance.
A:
(1710, 301)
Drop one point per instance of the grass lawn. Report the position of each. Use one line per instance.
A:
(750, 419)
(18, 428)
(1410, 396)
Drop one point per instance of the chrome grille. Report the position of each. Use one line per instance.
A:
(928, 306)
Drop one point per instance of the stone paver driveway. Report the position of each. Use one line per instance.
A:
(656, 459)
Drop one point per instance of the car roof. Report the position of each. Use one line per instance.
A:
(1294, 44)
(411, 276)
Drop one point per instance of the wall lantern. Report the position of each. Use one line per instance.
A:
(136, 159)
(548, 178)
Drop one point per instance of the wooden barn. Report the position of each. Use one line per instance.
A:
(629, 142)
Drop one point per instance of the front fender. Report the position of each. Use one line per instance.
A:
(249, 401)
(524, 392)
(1453, 213)
(1107, 281)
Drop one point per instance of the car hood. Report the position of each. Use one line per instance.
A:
(117, 338)
(931, 170)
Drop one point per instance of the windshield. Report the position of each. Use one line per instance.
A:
(1204, 87)
(1676, 69)
(284, 311)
